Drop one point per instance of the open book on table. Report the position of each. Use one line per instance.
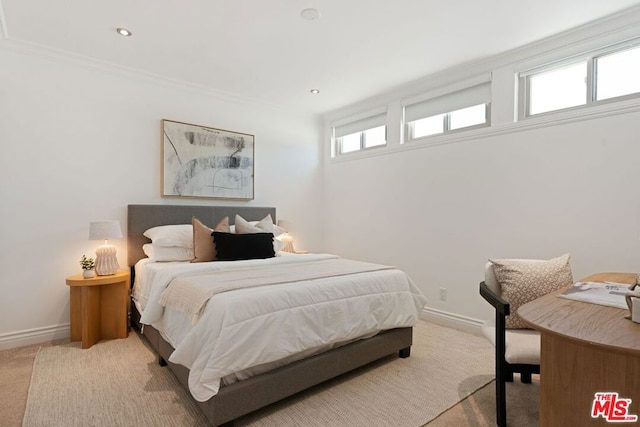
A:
(604, 293)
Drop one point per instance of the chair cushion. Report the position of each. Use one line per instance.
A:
(523, 281)
(522, 345)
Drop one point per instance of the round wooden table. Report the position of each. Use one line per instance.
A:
(585, 349)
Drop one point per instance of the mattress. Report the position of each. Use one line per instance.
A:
(241, 332)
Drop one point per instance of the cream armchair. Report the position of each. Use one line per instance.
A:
(517, 350)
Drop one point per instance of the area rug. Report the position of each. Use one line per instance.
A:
(113, 383)
(119, 383)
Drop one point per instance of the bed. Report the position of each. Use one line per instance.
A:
(265, 386)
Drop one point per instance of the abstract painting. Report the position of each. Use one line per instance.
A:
(200, 161)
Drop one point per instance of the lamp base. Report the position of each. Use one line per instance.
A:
(288, 247)
(106, 261)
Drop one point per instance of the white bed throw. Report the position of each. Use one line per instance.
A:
(190, 293)
(256, 325)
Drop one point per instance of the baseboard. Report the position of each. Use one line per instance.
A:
(34, 336)
(59, 332)
(452, 320)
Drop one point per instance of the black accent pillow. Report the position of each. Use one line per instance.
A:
(234, 247)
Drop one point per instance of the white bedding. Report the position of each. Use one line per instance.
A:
(275, 322)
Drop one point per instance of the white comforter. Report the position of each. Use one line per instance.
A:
(254, 326)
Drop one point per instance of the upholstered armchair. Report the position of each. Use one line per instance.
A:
(517, 350)
(508, 284)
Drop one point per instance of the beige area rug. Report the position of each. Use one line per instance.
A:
(119, 383)
(479, 409)
(113, 383)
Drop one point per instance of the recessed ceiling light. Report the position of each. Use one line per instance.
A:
(310, 14)
(124, 32)
(315, 91)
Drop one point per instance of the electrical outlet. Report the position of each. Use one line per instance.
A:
(443, 294)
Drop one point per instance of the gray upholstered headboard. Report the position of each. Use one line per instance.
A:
(142, 217)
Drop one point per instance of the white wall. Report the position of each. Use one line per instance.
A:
(440, 213)
(81, 141)
(536, 189)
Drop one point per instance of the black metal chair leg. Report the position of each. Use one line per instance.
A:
(502, 376)
(504, 370)
(501, 402)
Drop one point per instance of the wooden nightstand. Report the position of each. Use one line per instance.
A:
(99, 307)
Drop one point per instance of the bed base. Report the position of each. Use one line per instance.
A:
(244, 397)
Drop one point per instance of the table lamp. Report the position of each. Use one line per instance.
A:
(106, 261)
(287, 239)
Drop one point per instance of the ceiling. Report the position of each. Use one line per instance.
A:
(265, 50)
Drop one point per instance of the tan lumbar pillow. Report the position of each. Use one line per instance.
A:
(204, 248)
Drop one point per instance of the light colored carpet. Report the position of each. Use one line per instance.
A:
(113, 383)
(109, 383)
(16, 365)
(479, 409)
(445, 366)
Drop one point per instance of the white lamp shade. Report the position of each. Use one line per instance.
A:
(105, 230)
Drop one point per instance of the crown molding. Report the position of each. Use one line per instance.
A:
(47, 52)
(596, 35)
(611, 29)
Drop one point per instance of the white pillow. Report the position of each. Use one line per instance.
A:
(265, 225)
(167, 253)
(277, 230)
(180, 235)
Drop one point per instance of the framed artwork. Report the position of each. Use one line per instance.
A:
(199, 161)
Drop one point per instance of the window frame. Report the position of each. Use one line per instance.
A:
(358, 124)
(363, 142)
(591, 58)
(446, 117)
(444, 101)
